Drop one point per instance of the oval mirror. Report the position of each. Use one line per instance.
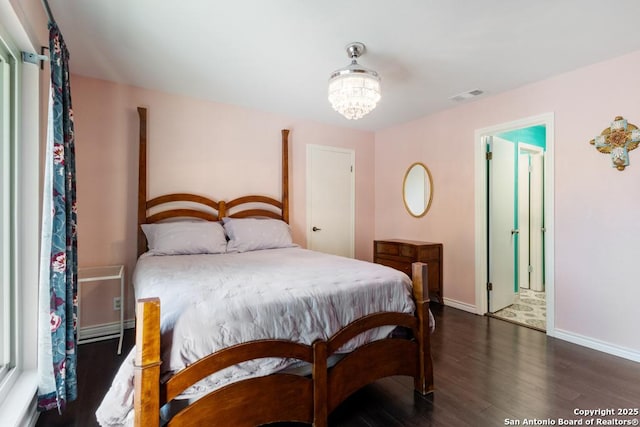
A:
(417, 190)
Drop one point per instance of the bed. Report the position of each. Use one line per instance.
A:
(296, 331)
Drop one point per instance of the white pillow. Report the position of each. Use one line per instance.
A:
(185, 238)
(250, 234)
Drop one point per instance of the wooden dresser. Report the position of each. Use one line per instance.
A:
(400, 254)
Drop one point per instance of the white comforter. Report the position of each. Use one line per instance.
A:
(209, 302)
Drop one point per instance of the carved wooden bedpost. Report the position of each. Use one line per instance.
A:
(146, 397)
(424, 381)
(285, 175)
(142, 179)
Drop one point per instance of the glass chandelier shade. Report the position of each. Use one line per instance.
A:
(354, 91)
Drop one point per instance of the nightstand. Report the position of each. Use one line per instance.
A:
(97, 274)
(400, 254)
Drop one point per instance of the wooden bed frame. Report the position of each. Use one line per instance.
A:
(279, 396)
(206, 209)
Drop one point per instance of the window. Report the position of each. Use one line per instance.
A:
(20, 135)
(8, 114)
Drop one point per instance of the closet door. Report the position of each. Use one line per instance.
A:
(501, 224)
(330, 200)
(523, 218)
(537, 222)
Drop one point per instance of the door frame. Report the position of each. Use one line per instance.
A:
(352, 205)
(481, 238)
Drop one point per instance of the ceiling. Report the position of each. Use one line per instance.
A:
(276, 55)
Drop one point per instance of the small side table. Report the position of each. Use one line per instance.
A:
(96, 274)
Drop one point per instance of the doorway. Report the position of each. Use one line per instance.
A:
(514, 221)
(331, 200)
(515, 171)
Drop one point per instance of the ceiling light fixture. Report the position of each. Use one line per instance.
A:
(354, 90)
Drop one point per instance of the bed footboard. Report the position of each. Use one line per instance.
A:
(251, 402)
(378, 359)
(281, 396)
(386, 357)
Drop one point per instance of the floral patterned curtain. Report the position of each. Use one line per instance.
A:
(59, 251)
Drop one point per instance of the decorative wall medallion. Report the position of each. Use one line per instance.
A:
(617, 140)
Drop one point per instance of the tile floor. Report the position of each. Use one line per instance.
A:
(529, 309)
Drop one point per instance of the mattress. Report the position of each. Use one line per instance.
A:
(209, 302)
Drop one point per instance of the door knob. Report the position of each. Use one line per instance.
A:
(316, 228)
(516, 231)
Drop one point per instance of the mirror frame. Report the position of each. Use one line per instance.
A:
(404, 184)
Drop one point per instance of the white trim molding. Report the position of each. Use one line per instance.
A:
(595, 344)
(96, 332)
(17, 393)
(17, 410)
(460, 305)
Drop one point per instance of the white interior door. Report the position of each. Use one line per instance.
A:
(501, 224)
(523, 219)
(537, 221)
(330, 200)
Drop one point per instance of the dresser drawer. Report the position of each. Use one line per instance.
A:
(395, 249)
(426, 253)
(398, 265)
(386, 248)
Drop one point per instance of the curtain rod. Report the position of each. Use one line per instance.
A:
(45, 4)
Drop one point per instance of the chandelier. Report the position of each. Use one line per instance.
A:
(354, 90)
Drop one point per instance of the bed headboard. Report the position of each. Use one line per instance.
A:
(187, 205)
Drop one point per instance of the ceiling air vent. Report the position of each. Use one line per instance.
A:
(466, 95)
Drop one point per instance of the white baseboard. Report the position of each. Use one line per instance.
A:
(460, 305)
(595, 344)
(93, 331)
(574, 338)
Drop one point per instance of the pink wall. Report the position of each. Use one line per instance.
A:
(196, 146)
(596, 250)
(597, 244)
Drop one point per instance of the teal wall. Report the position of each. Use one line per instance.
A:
(534, 135)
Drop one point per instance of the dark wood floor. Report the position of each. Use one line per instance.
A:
(487, 371)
